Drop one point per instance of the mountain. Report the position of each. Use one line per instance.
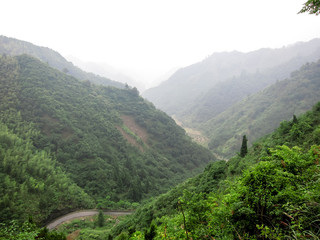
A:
(110, 142)
(14, 47)
(31, 181)
(260, 113)
(271, 193)
(198, 92)
(105, 70)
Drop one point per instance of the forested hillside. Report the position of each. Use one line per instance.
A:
(273, 192)
(260, 113)
(14, 47)
(31, 182)
(72, 142)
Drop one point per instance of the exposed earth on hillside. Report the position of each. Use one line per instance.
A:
(196, 135)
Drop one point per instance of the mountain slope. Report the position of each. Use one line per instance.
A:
(271, 193)
(110, 141)
(14, 47)
(105, 70)
(31, 183)
(260, 113)
(194, 93)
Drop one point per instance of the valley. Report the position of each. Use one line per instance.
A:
(225, 148)
(232, 94)
(196, 135)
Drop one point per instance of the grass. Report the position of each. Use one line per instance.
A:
(87, 227)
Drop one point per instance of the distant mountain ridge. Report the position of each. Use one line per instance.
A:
(14, 47)
(260, 113)
(209, 96)
(180, 94)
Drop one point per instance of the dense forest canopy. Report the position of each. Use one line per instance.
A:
(260, 113)
(73, 140)
(271, 193)
(109, 143)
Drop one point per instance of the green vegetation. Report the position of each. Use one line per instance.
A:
(67, 144)
(260, 114)
(31, 182)
(27, 231)
(311, 6)
(244, 147)
(271, 193)
(90, 227)
(100, 219)
(229, 95)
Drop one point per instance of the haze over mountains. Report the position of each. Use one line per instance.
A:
(194, 83)
(198, 94)
(122, 75)
(105, 70)
(207, 94)
(70, 139)
(14, 47)
(259, 114)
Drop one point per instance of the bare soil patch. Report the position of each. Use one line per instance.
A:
(140, 132)
(73, 235)
(196, 135)
(130, 139)
(134, 127)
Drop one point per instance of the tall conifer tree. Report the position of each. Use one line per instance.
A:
(244, 146)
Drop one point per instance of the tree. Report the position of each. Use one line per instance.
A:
(311, 6)
(151, 232)
(244, 146)
(100, 219)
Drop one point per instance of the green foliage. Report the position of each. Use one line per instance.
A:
(272, 200)
(61, 107)
(87, 228)
(271, 193)
(100, 220)
(32, 183)
(261, 113)
(244, 146)
(150, 233)
(311, 6)
(27, 231)
(64, 142)
(167, 204)
(106, 203)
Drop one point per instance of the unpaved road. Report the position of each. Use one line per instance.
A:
(84, 213)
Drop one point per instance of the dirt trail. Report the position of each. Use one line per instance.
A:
(84, 213)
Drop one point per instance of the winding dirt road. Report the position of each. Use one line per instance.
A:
(84, 213)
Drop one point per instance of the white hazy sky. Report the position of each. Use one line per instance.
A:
(150, 37)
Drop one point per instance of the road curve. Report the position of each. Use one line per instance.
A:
(84, 213)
